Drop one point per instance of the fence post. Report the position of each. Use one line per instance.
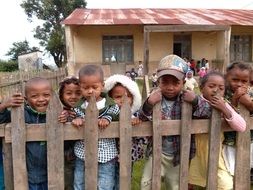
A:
(185, 143)
(145, 89)
(8, 169)
(55, 144)
(214, 147)
(157, 147)
(91, 145)
(125, 129)
(242, 161)
(18, 136)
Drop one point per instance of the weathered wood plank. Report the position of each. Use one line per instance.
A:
(91, 145)
(214, 148)
(242, 163)
(37, 132)
(18, 133)
(184, 28)
(55, 144)
(146, 89)
(8, 169)
(125, 146)
(146, 52)
(157, 148)
(185, 143)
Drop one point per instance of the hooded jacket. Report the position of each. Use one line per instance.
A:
(129, 84)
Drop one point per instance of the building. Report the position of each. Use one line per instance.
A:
(119, 39)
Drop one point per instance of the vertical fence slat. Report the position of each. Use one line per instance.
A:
(242, 163)
(8, 169)
(91, 145)
(18, 135)
(55, 140)
(145, 90)
(125, 129)
(157, 148)
(214, 147)
(185, 143)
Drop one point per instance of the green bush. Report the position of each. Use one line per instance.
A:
(8, 66)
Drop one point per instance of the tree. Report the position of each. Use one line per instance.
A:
(51, 33)
(20, 48)
(8, 66)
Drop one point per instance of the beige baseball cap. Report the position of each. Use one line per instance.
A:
(172, 65)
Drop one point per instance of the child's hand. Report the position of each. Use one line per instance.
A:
(155, 97)
(78, 122)
(103, 123)
(135, 121)
(16, 100)
(63, 117)
(189, 95)
(218, 103)
(238, 93)
(246, 101)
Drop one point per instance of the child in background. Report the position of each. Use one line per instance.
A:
(237, 92)
(69, 94)
(190, 82)
(212, 87)
(91, 78)
(37, 95)
(202, 72)
(117, 86)
(171, 74)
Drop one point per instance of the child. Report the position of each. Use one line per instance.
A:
(237, 86)
(154, 79)
(69, 94)
(190, 82)
(37, 95)
(91, 80)
(202, 72)
(117, 87)
(212, 87)
(171, 74)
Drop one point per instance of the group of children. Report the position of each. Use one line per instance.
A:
(223, 94)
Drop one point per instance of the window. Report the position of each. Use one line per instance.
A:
(241, 48)
(117, 49)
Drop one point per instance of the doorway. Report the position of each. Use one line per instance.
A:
(182, 45)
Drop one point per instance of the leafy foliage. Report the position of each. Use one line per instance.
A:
(8, 66)
(20, 48)
(51, 33)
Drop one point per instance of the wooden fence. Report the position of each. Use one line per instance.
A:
(11, 82)
(17, 133)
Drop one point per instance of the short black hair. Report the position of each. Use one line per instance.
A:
(36, 80)
(205, 78)
(89, 70)
(240, 65)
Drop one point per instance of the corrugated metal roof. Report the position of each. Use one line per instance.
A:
(160, 16)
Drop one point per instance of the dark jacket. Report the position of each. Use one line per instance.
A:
(36, 152)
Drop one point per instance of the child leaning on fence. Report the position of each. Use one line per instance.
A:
(69, 94)
(237, 92)
(212, 87)
(91, 80)
(38, 92)
(117, 87)
(171, 73)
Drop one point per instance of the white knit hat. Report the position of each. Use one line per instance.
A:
(129, 84)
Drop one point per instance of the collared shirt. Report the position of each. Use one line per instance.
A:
(174, 114)
(107, 149)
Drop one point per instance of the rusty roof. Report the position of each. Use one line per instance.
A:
(160, 16)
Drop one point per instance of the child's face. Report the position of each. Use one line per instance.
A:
(170, 86)
(189, 75)
(91, 85)
(38, 96)
(118, 93)
(214, 86)
(236, 78)
(71, 94)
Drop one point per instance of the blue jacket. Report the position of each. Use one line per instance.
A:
(36, 152)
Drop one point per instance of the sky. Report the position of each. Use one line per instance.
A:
(15, 27)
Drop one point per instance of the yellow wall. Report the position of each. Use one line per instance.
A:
(87, 44)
